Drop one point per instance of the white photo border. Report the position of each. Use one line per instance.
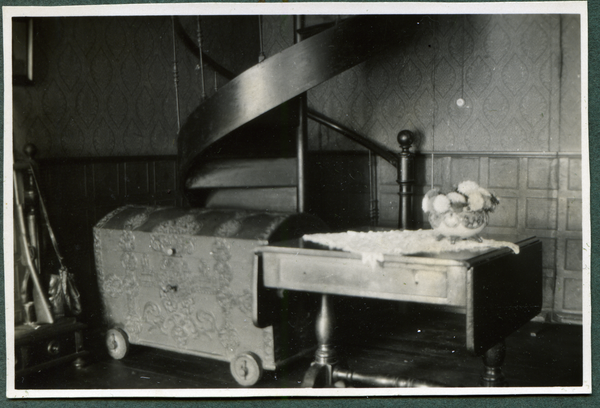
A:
(545, 7)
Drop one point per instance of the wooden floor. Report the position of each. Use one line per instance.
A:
(425, 345)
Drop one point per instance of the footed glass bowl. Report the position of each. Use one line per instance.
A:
(463, 225)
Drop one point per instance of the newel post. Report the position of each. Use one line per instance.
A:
(405, 179)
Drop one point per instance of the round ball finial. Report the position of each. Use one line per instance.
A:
(406, 138)
(30, 150)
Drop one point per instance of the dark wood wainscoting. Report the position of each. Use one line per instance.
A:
(79, 192)
(338, 188)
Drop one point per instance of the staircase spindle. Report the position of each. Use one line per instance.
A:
(175, 75)
(261, 56)
(200, 63)
(374, 202)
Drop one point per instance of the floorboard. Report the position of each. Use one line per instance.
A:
(427, 347)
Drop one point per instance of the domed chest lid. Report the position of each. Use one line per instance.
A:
(226, 223)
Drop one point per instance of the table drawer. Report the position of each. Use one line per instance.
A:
(436, 284)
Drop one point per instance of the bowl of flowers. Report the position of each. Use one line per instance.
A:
(460, 214)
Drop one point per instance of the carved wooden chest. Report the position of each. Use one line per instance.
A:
(182, 280)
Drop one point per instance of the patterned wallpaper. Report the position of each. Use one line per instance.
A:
(104, 86)
(506, 68)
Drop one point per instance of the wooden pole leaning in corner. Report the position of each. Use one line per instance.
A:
(405, 179)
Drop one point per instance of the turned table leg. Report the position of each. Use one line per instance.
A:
(320, 373)
(493, 360)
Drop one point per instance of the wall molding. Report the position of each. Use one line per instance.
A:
(550, 155)
(63, 161)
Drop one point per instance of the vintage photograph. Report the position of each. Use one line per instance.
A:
(282, 200)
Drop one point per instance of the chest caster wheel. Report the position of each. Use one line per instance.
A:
(246, 369)
(117, 343)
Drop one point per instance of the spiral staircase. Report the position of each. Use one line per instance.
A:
(246, 145)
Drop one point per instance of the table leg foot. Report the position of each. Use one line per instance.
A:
(320, 373)
(318, 376)
(493, 360)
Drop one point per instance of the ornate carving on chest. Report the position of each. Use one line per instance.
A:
(172, 286)
(170, 244)
(228, 228)
(266, 233)
(109, 216)
(126, 285)
(98, 256)
(186, 225)
(127, 241)
(129, 261)
(178, 324)
(176, 276)
(135, 221)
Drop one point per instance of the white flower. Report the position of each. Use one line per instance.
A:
(476, 201)
(441, 204)
(484, 192)
(456, 197)
(427, 203)
(468, 187)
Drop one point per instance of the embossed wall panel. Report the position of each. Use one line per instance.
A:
(505, 215)
(551, 211)
(573, 255)
(464, 169)
(548, 298)
(574, 214)
(503, 173)
(574, 174)
(572, 292)
(541, 213)
(542, 174)
(549, 255)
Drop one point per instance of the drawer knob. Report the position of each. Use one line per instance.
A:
(171, 251)
(53, 347)
(170, 289)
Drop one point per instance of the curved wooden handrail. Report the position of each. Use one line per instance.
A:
(381, 151)
(283, 76)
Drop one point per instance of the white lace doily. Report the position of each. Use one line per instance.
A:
(373, 245)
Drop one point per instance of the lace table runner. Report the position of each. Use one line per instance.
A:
(373, 245)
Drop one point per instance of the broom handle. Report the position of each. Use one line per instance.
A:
(44, 315)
